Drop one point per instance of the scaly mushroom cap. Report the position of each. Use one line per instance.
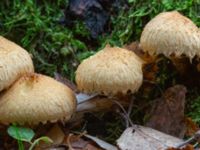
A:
(36, 98)
(14, 61)
(111, 71)
(171, 33)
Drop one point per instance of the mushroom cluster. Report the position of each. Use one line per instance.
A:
(114, 70)
(30, 98)
(27, 97)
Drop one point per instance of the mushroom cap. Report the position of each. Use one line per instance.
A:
(36, 98)
(171, 33)
(14, 61)
(110, 71)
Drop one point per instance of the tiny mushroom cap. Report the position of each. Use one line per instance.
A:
(110, 71)
(171, 33)
(14, 61)
(36, 98)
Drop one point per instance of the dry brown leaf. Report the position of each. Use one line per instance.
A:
(135, 47)
(101, 143)
(168, 113)
(192, 127)
(198, 67)
(55, 134)
(187, 147)
(65, 81)
(77, 142)
(150, 67)
(144, 138)
(182, 64)
(91, 147)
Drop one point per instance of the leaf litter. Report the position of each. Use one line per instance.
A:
(170, 105)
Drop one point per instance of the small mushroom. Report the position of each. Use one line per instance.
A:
(110, 71)
(36, 98)
(14, 62)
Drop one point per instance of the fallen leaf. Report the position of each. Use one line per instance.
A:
(167, 114)
(101, 143)
(192, 127)
(77, 142)
(135, 47)
(150, 67)
(182, 64)
(91, 147)
(65, 81)
(198, 67)
(187, 147)
(55, 134)
(145, 138)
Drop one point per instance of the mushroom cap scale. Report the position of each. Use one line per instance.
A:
(14, 62)
(171, 33)
(36, 98)
(110, 71)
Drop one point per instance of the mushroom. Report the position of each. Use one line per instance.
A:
(172, 35)
(111, 75)
(36, 98)
(14, 62)
(110, 71)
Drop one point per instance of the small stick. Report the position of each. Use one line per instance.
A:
(196, 136)
(125, 114)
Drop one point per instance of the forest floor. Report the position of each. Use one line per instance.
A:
(60, 34)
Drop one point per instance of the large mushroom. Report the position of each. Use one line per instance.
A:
(14, 62)
(36, 98)
(110, 71)
(171, 33)
(174, 36)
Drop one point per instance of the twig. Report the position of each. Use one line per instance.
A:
(196, 136)
(69, 143)
(131, 105)
(124, 112)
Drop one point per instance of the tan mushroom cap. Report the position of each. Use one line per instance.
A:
(171, 33)
(14, 61)
(36, 98)
(110, 71)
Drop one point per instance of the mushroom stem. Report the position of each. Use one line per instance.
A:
(90, 103)
(182, 64)
(82, 97)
